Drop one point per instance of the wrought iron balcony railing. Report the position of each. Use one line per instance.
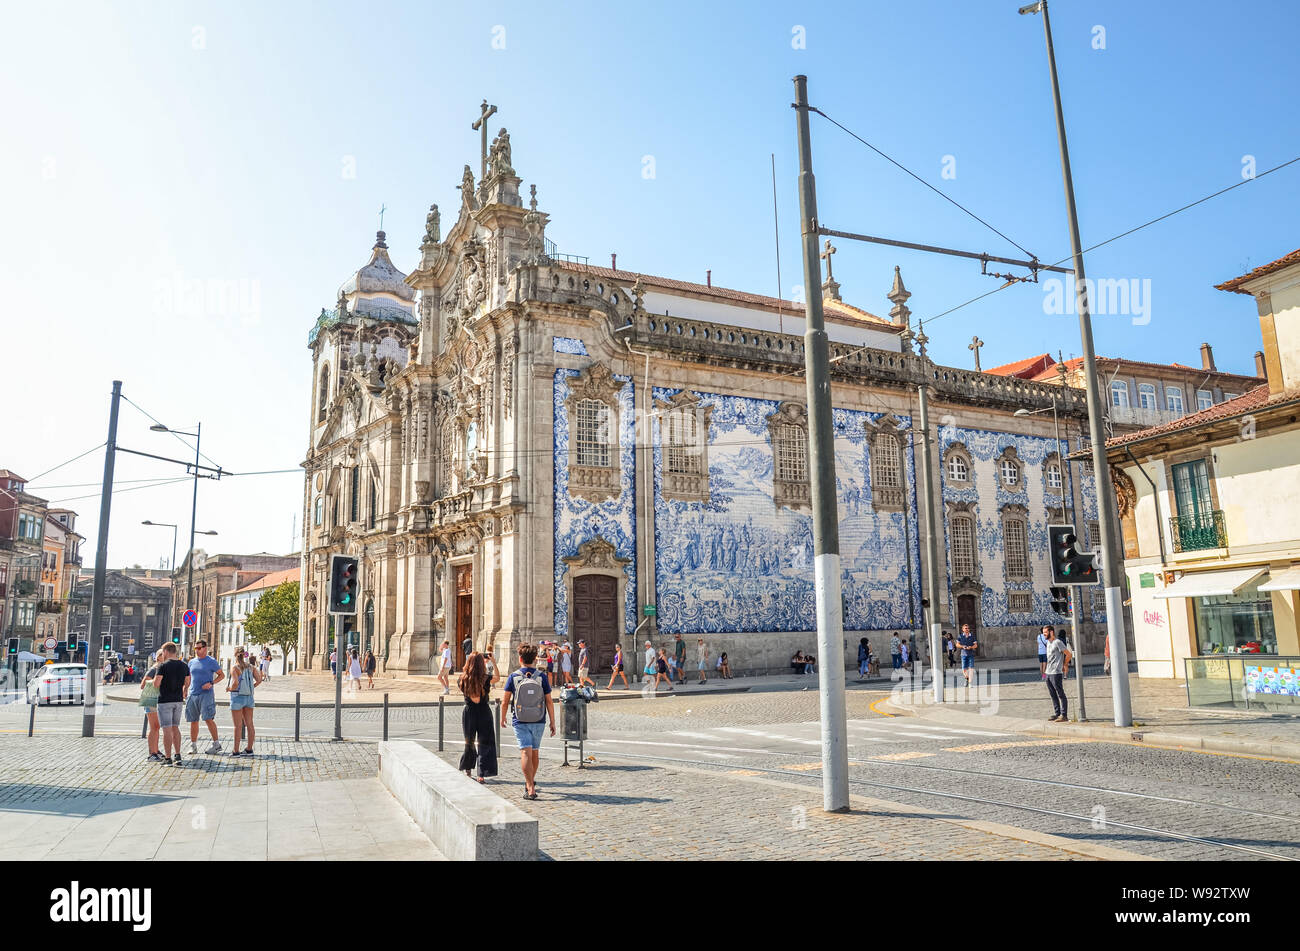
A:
(1196, 532)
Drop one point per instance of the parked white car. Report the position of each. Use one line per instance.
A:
(57, 683)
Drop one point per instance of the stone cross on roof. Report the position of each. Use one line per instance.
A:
(830, 287)
(480, 125)
(975, 344)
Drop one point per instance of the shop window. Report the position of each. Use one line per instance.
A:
(1237, 623)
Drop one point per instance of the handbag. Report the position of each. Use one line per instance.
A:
(148, 694)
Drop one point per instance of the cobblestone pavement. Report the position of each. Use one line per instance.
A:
(645, 810)
(75, 798)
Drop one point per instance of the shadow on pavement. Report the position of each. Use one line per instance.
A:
(75, 800)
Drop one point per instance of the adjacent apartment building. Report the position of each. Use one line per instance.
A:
(238, 603)
(1210, 506)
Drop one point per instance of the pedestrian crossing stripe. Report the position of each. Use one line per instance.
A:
(981, 747)
(914, 754)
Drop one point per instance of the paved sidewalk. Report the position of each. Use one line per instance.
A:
(75, 798)
(627, 808)
(1161, 716)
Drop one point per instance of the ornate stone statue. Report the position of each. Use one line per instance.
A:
(467, 190)
(433, 225)
(499, 156)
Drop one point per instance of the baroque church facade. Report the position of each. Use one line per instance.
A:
(521, 446)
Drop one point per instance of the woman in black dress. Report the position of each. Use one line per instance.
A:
(476, 719)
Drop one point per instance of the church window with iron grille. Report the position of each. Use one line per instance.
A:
(1015, 547)
(888, 474)
(963, 546)
(683, 451)
(791, 454)
(593, 433)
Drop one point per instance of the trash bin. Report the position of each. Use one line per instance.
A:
(573, 715)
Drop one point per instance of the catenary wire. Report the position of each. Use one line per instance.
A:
(175, 434)
(62, 464)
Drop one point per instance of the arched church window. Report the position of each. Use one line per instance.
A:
(685, 429)
(320, 511)
(788, 429)
(354, 497)
(323, 400)
(888, 474)
(961, 532)
(886, 459)
(593, 405)
(373, 509)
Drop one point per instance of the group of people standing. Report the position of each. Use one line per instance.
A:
(664, 666)
(171, 685)
(354, 667)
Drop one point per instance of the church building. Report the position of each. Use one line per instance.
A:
(521, 446)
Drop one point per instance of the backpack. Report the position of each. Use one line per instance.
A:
(530, 698)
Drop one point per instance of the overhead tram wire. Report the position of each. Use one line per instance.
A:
(67, 463)
(176, 435)
(134, 488)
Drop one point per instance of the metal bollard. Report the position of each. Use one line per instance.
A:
(297, 715)
(496, 723)
(385, 717)
(31, 720)
(442, 711)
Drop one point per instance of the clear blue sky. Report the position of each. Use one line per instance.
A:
(152, 148)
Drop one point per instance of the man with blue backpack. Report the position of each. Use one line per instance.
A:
(528, 698)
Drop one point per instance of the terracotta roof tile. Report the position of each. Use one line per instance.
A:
(1253, 399)
(272, 580)
(1234, 285)
(1020, 366)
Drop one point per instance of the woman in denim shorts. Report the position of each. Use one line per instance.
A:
(149, 703)
(244, 677)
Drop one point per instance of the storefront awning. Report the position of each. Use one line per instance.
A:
(1286, 580)
(1208, 584)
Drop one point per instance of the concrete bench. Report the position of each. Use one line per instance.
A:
(465, 820)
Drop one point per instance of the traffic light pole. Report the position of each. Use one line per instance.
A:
(339, 625)
(90, 692)
(1076, 606)
(1112, 558)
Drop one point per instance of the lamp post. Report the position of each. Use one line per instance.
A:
(194, 506)
(1112, 556)
(171, 564)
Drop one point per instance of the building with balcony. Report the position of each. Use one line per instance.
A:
(1210, 506)
(1138, 394)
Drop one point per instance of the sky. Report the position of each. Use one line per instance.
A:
(187, 185)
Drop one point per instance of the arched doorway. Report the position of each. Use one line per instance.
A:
(595, 617)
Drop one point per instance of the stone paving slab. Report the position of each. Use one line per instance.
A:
(628, 809)
(73, 798)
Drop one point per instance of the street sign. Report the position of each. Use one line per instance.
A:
(190, 618)
(51, 643)
(650, 610)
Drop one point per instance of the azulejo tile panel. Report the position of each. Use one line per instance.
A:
(739, 564)
(986, 495)
(579, 520)
(568, 345)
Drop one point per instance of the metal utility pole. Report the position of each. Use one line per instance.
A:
(90, 693)
(931, 532)
(1112, 558)
(194, 510)
(825, 518)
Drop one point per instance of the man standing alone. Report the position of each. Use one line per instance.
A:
(1058, 665)
(966, 641)
(528, 698)
(205, 673)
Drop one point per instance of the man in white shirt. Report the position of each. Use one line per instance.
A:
(1058, 665)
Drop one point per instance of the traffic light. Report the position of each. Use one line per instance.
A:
(344, 584)
(1060, 599)
(1069, 564)
(106, 643)
(12, 648)
(70, 645)
(176, 636)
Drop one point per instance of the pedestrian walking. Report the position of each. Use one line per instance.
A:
(1042, 650)
(172, 678)
(650, 655)
(467, 646)
(969, 645)
(149, 703)
(205, 674)
(895, 653)
(702, 660)
(864, 659)
(369, 667)
(1058, 667)
(661, 670)
(528, 698)
(679, 654)
(354, 671)
(618, 669)
(951, 646)
(444, 668)
(566, 663)
(334, 657)
(476, 719)
(244, 678)
(1105, 666)
(584, 666)
(490, 663)
(548, 654)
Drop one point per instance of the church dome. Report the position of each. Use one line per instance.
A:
(378, 276)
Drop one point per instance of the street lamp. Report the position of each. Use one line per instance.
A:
(194, 505)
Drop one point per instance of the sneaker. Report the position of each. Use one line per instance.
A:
(214, 748)
(194, 747)
(176, 760)
(235, 753)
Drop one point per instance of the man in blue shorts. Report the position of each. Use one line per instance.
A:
(205, 674)
(966, 641)
(528, 698)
